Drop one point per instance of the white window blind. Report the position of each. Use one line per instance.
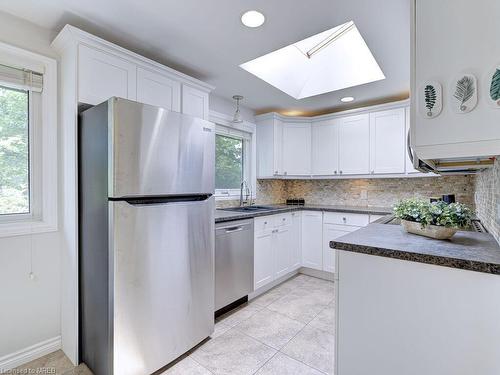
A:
(20, 79)
(232, 132)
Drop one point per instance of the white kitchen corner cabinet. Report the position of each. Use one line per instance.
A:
(296, 159)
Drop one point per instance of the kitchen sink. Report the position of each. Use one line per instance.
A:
(248, 208)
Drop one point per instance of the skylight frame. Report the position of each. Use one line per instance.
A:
(332, 60)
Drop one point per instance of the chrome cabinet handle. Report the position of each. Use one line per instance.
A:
(344, 219)
(340, 172)
(335, 172)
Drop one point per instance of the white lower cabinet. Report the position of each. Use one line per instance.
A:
(332, 232)
(273, 250)
(285, 242)
(296, 242)
(263, 258)
(312, 239)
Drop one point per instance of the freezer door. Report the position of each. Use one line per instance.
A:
(156, 152)
(162, 289)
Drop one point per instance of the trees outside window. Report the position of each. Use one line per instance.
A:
(14, 151)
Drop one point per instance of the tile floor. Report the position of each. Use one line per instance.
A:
(288, 330)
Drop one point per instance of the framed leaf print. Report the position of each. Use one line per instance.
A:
(493, 86)
(464, 93)
(430, 99)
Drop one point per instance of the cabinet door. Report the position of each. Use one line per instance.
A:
(312, 239)
(269, 142)
(102, 76)
(194, 102)
(387, 141)
(296, 149)
(263, 258)
(296, 242)
(283, 250)
(159, 90)
(408, 163)
(325, 149)
(330, 233)
(354, 145)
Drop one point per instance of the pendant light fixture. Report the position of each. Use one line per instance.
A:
(237, 115)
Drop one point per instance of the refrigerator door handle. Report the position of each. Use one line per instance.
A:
(164, 200)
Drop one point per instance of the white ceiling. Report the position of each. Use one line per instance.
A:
(205, 39)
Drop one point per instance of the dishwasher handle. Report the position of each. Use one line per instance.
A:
(233, 228)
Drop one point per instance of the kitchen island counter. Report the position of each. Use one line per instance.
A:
(465, 250)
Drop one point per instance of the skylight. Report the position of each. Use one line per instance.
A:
(332, 60)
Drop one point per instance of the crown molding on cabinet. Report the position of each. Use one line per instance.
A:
(70, 34)
(355, 111)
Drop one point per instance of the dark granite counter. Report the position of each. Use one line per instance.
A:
(465, 250)
(223, 215)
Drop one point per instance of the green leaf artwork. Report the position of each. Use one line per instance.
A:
(464, 91)
(430, 98)
(495, 87)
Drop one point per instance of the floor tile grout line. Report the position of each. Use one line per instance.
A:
(194, 359)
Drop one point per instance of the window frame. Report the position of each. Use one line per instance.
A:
(232, 193)
(43, 145)
(223, 126)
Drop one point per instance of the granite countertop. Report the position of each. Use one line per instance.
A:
(465, 250)
(222, 215)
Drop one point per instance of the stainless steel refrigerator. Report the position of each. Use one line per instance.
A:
(146, 236)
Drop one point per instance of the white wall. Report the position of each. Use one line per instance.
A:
(30, 309)
(228, 107)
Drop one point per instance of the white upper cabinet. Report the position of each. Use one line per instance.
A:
(102, 75)
(371, 143)
(157, 89)
(100, 70)
(296, 148)
(354, 145)
(194, 102)
(269, 142)
(452, 38)
(387, 141)
(325, 147)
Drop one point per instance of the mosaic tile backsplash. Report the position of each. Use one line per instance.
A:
(487, 198)
(383, 192)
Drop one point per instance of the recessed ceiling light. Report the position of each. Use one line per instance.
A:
(252, 18)
(332, 60)
(347, 99)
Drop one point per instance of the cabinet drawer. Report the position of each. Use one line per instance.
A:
(282, 219)
(342, 218)
(263, 223)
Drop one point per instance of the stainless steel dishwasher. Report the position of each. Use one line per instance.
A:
(233, 261)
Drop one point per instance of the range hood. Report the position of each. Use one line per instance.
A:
(454, 166)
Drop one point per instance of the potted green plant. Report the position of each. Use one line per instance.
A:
(438, 220)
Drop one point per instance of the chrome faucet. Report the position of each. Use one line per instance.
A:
(247, 192)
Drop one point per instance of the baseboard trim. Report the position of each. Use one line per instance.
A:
(10, 361)
(317, 273)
